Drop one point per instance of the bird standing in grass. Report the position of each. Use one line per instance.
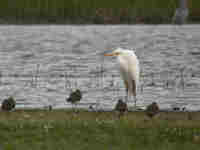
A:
(152, 110)
(121, 107)
(129, 70)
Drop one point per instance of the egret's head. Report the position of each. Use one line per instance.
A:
(119, 52)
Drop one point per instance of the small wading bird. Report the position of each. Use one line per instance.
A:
(129, 70)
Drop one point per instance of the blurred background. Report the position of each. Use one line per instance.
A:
(93, 11)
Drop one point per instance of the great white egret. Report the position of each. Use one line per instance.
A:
(129, 70)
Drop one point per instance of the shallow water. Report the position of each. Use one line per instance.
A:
(40, 65)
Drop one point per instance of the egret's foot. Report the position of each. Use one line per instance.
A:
(135, 108)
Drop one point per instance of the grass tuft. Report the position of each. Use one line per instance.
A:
(60, 129)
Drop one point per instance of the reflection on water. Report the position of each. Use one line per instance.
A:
(40, 65)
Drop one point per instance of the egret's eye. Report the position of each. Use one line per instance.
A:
(117, 53)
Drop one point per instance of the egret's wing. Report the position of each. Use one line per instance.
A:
(129, 70)
(134, 70)
(123, 67)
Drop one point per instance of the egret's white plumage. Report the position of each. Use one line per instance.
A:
(129, 69)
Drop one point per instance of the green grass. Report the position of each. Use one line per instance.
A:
(60, 129)
(92, 11)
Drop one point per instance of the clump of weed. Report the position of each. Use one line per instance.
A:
(8, 104)
(75, 97)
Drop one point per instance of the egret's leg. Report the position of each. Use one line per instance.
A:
(135, 98)
(127, 92)
(134, 91)
(126, 96)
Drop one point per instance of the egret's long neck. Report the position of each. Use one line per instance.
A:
(123, 59)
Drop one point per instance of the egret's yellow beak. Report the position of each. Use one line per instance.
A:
(110, 54)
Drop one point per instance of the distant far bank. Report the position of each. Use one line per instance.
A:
(90, 22)
(93, 11)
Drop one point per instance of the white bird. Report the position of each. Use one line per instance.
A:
(129, 70)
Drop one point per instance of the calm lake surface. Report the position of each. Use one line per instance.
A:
(40, 65)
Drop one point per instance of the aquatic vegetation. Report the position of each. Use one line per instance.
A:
(75, 96)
